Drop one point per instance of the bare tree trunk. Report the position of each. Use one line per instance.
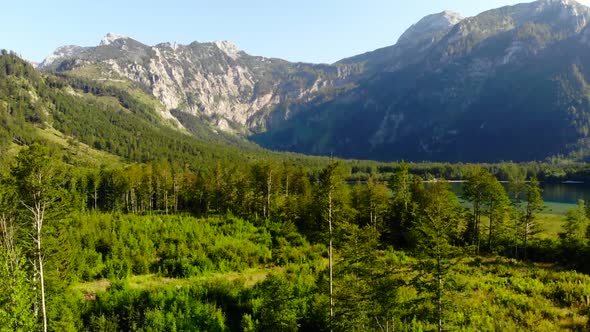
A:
(268, 189)
(166, 197)
(516, 237)
(331, 260)
(95, 197)
(175, 188)
(526, 236)
(287, 187)
(491, 226)
(439, 288)
(38, 215)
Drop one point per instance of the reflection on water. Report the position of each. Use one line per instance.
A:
(558, 197)
(566, 193)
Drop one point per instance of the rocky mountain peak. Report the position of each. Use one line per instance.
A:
(111, 38)
(430, 25)
(61, 53)
(561, 2)
(564, 12)
(228, 48)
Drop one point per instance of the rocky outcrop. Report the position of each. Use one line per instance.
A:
(217, 81)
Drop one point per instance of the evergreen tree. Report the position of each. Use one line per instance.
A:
(576, 222)
(497, 205)
(533, 205)
(332, 205)
(439, 227)
(276, 310)
(369, 299)
(401, 208)
(475, 190)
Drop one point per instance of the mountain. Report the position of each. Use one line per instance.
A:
(411, 46)
(508, 84)
(92, 123)
(216, 81)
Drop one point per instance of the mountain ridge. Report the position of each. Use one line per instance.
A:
(216, 79)
(430, 96)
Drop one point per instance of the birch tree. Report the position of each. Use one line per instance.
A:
(38, 182)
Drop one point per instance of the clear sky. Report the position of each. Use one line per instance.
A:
(301, 30)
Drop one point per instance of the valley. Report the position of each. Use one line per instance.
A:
(437, 184)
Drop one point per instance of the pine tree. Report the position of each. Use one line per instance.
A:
(439, 227)
(534, 204)
(331, 204)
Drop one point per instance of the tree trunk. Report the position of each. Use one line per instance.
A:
(491, 226)
(439, 288)
(38, 215)
(526, 236)
(287, 187)
(175, 184)
(330, 259)
(268, 190)
(516, 237)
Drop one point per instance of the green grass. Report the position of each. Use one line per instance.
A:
(550, 224)
(250, 277)
(558, 208)
(109, 78)
(505, 295)
(80, 154)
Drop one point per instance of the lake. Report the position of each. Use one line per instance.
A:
(558, 197)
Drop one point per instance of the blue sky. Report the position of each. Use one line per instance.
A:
(302, 30)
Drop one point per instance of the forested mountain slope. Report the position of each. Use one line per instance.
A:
(508, 84)
(75, 114)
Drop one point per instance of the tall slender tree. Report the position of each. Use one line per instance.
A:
(497, 205)
(486, 194)
(400, 218)
(38, 181)
(439, 226)
(330, 180)
(534, 204)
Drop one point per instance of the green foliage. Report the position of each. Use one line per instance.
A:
(115, 245)
(366, 293)
(276, 308)
(164, 246)
(576, 222)
(163, 310)
(17, 296)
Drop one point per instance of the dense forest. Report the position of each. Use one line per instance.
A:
(266, 246)
(112, 220)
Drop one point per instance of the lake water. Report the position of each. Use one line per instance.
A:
(558, 197)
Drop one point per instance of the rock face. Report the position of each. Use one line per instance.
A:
(429, 26)
(216, 81)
